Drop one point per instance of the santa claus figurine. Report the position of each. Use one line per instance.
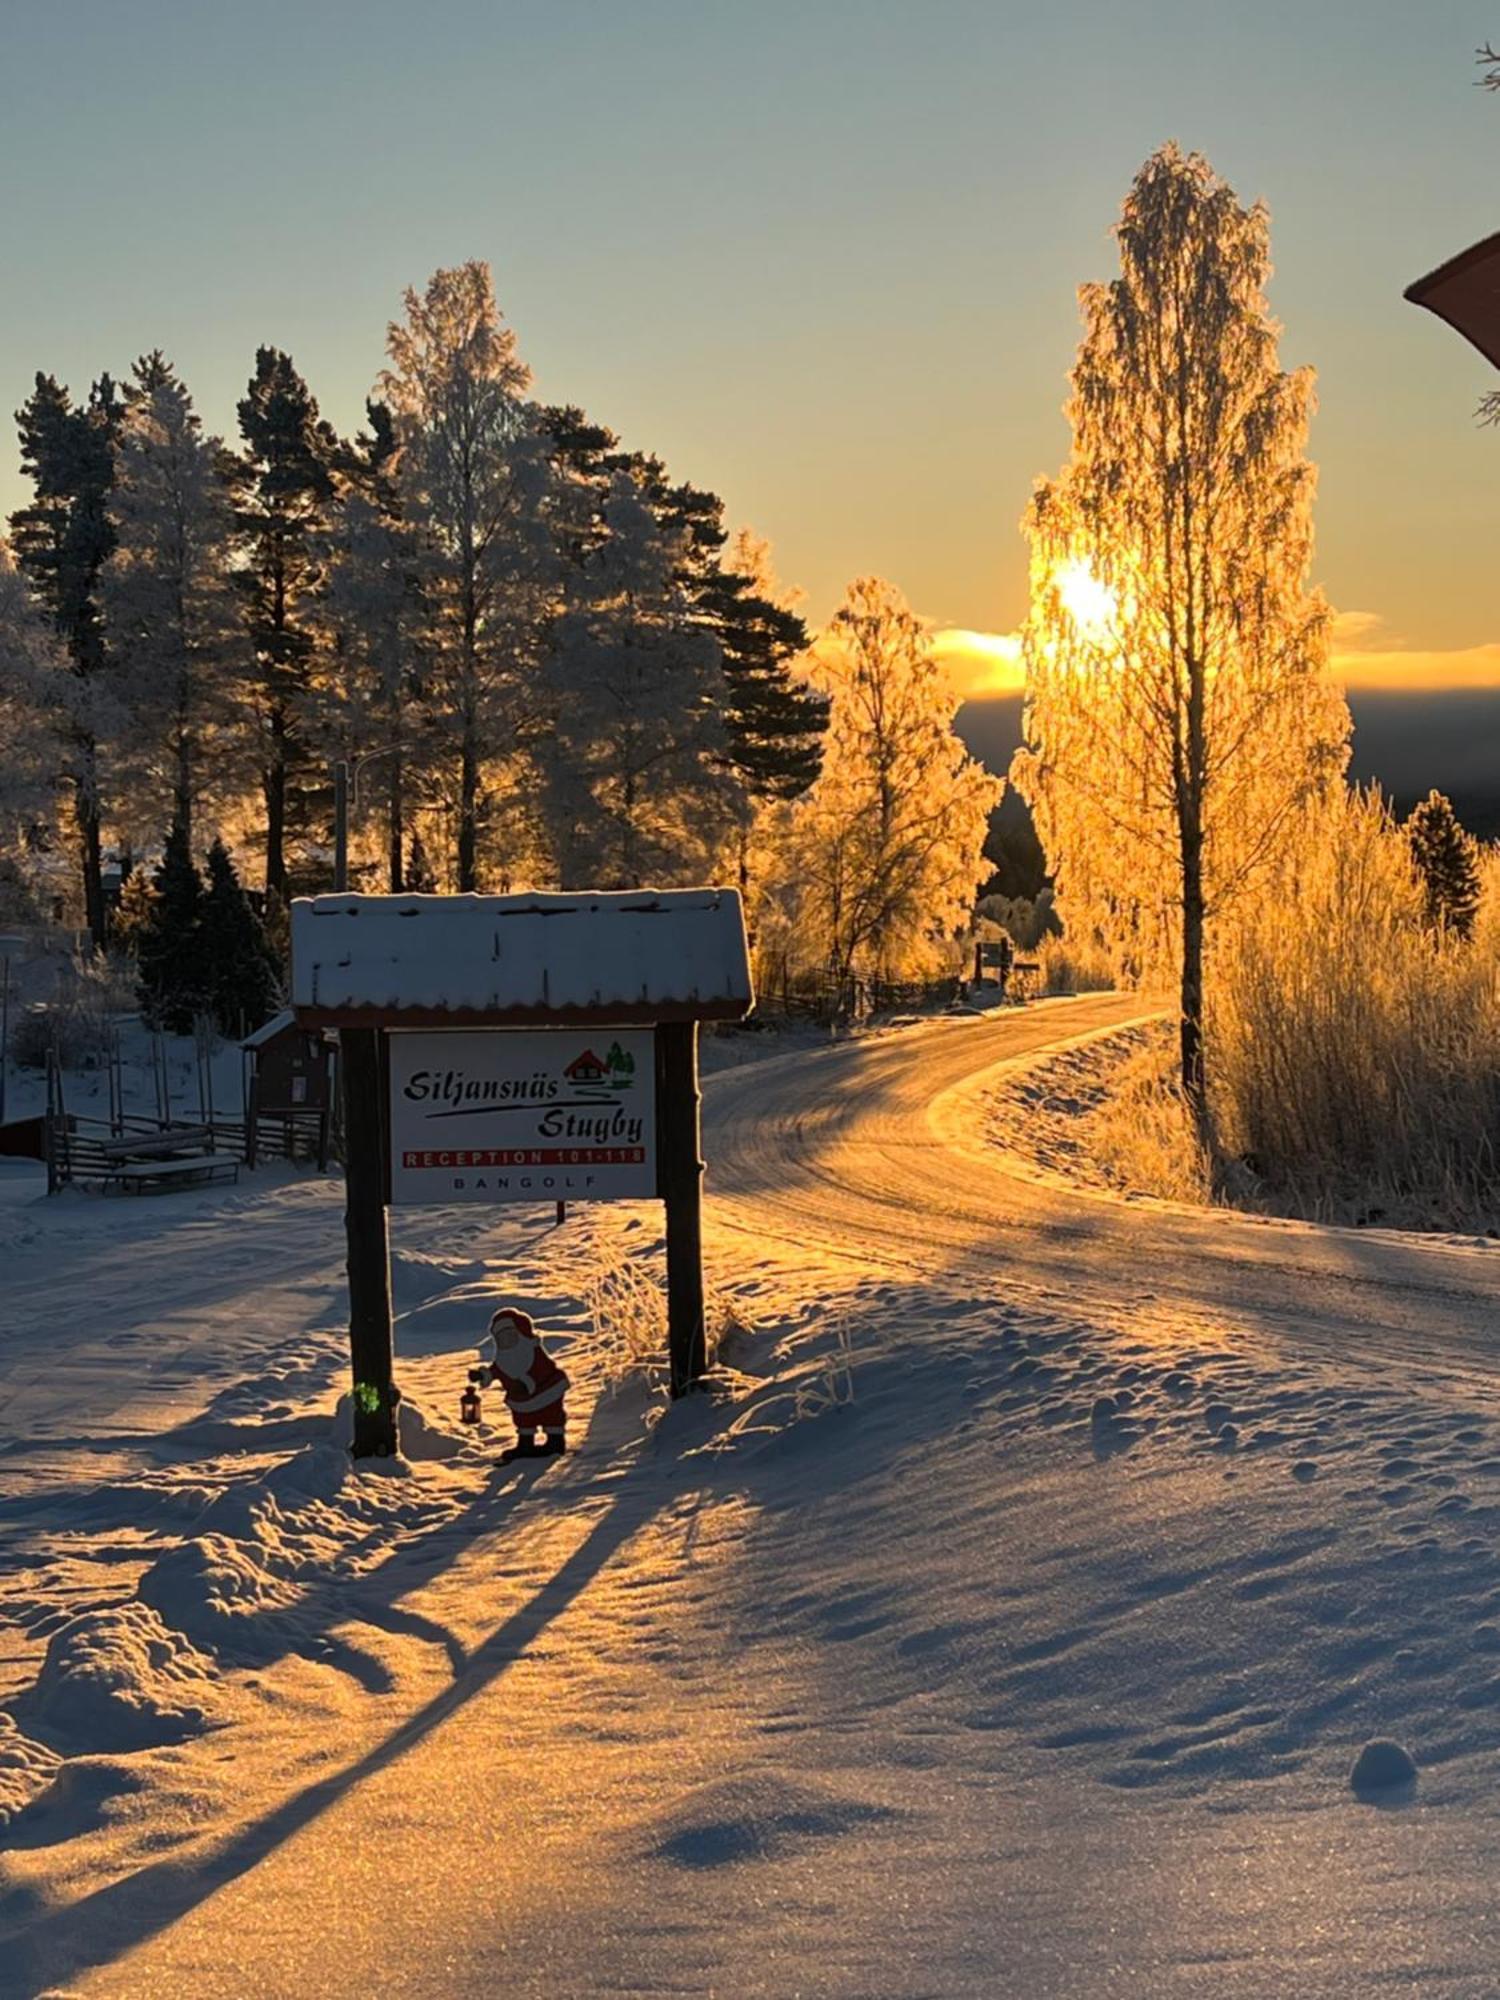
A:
(532, 1383)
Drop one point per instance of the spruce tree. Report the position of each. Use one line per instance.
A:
(174, 980)
(284, 487)
(241, 973)
(1447, 859)
(62, 540)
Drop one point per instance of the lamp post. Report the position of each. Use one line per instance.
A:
(346, 772)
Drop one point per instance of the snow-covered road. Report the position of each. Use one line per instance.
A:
(875, 1148)
(1037, 1669)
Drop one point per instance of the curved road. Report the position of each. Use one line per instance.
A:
(566, 1812)
(851, 1150)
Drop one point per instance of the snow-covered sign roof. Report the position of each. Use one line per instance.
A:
(520, 961)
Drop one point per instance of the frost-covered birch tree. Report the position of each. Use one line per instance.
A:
(472, 473)
(1177, 709)
(880, 861)
(170, 609)
(634, 790)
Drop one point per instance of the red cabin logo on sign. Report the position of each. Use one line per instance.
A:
(586, 1068)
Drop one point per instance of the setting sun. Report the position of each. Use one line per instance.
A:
(1090, 604)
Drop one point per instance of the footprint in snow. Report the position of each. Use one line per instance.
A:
(758, 1819)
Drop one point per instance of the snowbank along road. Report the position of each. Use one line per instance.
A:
(1005, 1620)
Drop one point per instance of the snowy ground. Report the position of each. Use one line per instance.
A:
(1038, 1668)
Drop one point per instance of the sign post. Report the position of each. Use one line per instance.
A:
(681, 1183)
(371, 1341)
(504, 1049)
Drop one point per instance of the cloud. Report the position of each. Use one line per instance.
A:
(1365, 655)
(980, 663)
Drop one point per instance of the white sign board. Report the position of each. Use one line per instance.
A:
(504, 1114)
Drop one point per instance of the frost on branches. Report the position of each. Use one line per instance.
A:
(636, 689)
(472, 473)
(871, 871)
(1178, 713)
(171, 616)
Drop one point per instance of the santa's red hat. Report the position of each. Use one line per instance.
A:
(521, 1321)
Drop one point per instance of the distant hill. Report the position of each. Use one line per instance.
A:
(1411, 743)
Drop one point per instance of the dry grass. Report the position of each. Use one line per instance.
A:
(1355, 1055)
(1141, 1133)
(627, 1308)
(1073, 968)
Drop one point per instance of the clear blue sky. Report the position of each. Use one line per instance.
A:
(822, 256)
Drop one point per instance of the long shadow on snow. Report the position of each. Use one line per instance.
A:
(100, 1928)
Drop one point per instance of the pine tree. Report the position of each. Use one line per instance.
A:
(773, 718)
(175, 982)
(584, 457)
(879, 862)
(61, 542)
(1447, 860)
(473, 481)
(243, 978)
(632, 788)
(1177, 714)
(374, 607)
(284, 488)
(170, 611)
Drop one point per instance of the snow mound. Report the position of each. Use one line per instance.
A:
(26, 1770)
(1380, 1768)
(210, 1586)
(120, 1679)
(423, 1438)
(758, 1819)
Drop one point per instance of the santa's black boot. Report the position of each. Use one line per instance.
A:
(525, 1446)
(552, 1445)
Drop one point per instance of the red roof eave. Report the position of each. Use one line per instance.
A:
(1465, 292)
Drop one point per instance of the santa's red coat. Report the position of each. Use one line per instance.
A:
(533, 1386)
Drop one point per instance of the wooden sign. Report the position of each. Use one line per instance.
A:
(538, 1048)
(515, 1116)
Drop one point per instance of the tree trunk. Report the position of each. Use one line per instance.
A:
(182, 789)
(273, 786)
(95, 912)
(1190, 1025)
(395, 811)
(468, 813)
